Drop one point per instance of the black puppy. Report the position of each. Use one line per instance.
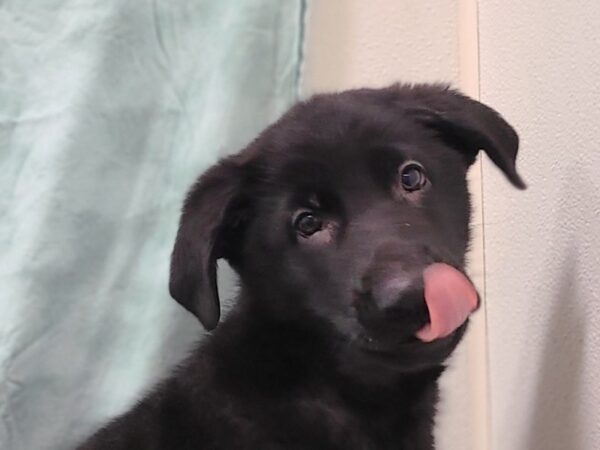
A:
(347, 222)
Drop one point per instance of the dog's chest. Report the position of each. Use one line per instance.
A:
(324, 422)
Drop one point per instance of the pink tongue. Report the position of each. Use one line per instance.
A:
(450, 298)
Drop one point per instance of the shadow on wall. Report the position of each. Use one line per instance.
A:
(557, 412)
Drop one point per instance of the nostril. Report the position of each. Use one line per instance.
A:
(362, 284)
(365, 307)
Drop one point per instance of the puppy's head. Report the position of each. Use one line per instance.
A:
(352, 211)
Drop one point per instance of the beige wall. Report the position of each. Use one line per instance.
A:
(540, 64)
(355, 43)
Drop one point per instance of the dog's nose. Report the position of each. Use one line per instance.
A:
(388, 285)
(394, 306)
(391, 295)
(392, 289)
(396, 268)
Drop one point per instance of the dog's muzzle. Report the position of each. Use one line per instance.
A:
(403, 295)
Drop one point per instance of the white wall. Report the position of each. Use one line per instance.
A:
(356, 43)
(540, 65)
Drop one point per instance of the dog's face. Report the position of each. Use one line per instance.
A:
(352, 210)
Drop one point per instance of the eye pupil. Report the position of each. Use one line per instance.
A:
(307, 224)
(412, 177)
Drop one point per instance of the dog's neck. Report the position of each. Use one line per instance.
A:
(287, 360)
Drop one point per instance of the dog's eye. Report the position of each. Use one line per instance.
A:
(412, 176)
(307, 223)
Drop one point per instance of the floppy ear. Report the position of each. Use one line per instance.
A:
(208, 212)
(471, 126)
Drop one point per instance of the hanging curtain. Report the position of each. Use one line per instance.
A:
(108, 111)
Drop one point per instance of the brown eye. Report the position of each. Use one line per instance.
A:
(307, 223)
(412, 176)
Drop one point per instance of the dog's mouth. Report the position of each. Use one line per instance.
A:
(400, 347)
(434, 313)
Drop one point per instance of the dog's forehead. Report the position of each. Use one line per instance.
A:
(346, 156)
(330, 140)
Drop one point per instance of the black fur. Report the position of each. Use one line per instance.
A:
(320, 352)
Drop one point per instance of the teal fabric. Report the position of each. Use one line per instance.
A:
(108, 111)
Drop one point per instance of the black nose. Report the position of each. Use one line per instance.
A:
(391, 298)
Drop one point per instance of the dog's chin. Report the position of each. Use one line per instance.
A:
(381, 361)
